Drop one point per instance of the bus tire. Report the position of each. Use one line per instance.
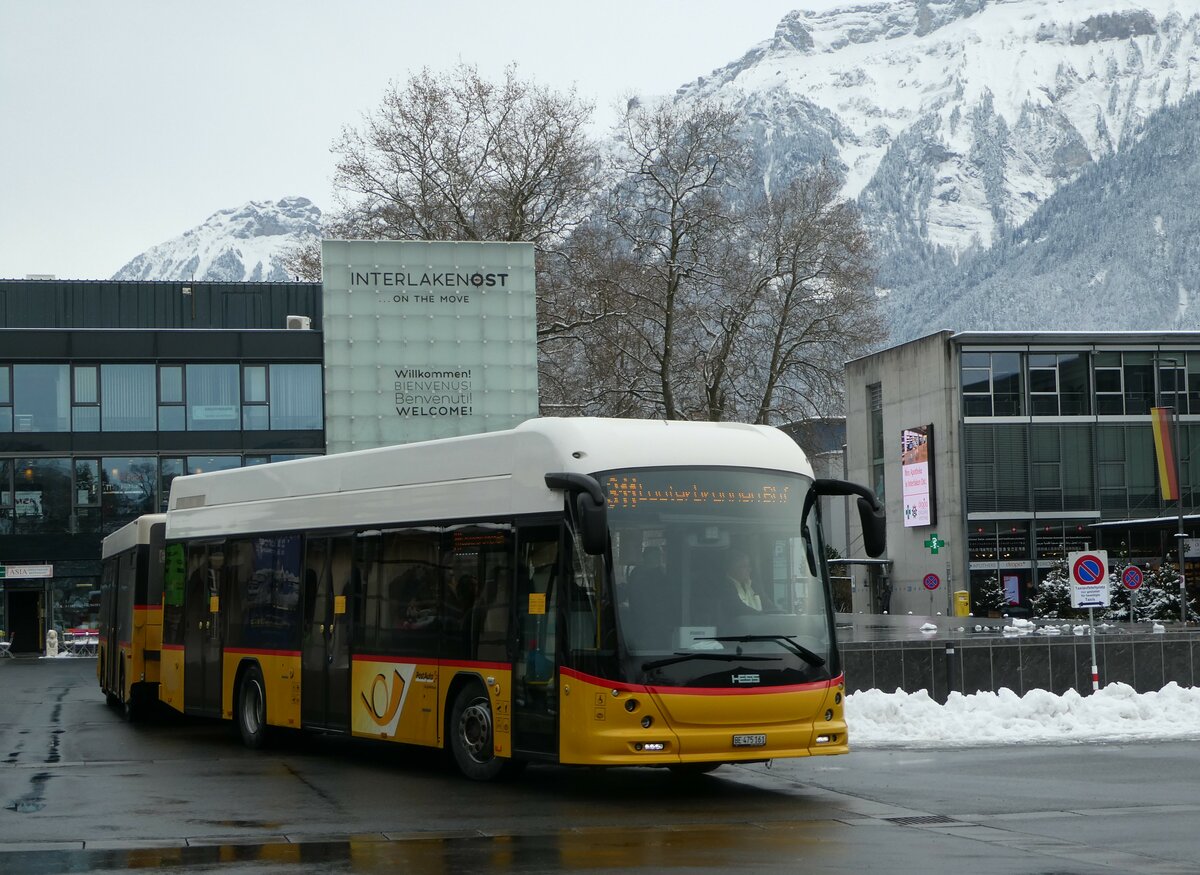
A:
(472, 739)
(251, 710)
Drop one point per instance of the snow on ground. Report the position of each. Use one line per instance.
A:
(1115, 713)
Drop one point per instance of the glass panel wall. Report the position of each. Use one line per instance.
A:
(214, 398)
(129, 489)
(128, 397)
(41, 398)
(296, 397)
(42, 495)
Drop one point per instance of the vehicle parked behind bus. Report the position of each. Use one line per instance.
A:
(127, 663)
(484, 595)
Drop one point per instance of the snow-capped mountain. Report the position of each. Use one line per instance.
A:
(954, 120)
(246, 244)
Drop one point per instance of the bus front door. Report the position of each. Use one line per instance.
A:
(535, 670)
(325, 657)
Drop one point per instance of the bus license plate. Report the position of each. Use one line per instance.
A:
(749, 741)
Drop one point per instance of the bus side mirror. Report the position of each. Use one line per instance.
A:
(870, 512)
(586, 498)
(874, 527)
(593, 524)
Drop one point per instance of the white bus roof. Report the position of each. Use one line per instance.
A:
(491, 474)
(130, 535)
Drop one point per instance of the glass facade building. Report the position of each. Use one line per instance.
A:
(108, 391)
(1045, 447)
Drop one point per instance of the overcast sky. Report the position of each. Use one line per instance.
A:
(126, 122)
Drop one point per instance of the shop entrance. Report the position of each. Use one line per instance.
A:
(26, 611)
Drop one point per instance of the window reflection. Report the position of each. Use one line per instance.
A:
(129, 489)
(42, 495)
(41, 398)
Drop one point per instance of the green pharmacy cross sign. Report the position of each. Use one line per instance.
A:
(934, 543)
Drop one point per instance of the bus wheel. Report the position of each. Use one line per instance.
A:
(471, 737)
(252, 708)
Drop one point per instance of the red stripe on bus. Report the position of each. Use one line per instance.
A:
(257, 651)
(699, 691)
(147, 607)
(172, 647)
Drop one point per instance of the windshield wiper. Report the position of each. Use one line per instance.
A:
(787, 641)
(703, 654)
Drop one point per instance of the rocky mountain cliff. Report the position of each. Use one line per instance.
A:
(246, 244)
(955, 120)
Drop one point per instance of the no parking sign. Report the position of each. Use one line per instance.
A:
(1089, 578)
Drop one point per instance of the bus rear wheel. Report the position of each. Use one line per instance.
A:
(472, 738)
(251, 713)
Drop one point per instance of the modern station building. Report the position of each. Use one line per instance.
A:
(109, 390)
(997, 454)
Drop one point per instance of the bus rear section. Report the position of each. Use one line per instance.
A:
(128, 655)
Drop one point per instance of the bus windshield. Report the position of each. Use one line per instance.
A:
(718, 581)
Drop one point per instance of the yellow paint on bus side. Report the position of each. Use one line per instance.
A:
(170, 678)
(281, 677)
(599, 728)
(407, 701)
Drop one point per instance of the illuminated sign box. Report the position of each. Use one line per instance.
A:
(426, 340)
(916, 473)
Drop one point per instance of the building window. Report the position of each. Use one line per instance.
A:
(85, 399)
(214, 400)
(41, 398)
(992, 384)
(6, 417)
(1124, 383)
(42, 495)
(1173, 382)
(875, 424)
(127, 393)
(169, 469)
(997, 459)
(201, 464)
(255, 414)
(296, 397)
(6, 497)
(1059, 385)
(87, 496)
(129, 487)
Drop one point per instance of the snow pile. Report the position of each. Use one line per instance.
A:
(1115, 713)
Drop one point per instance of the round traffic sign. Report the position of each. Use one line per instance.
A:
(1088, 569)
(931, 582)
(1132, 577)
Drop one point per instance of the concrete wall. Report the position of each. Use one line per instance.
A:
(919, 384)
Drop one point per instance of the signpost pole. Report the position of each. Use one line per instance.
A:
(1095, 664)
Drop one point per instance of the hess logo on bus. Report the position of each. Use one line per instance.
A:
(745, 679)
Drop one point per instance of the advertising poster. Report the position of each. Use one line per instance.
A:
(916, 472)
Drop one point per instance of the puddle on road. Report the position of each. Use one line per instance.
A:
(34, 800)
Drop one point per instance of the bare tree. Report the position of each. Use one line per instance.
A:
(797, 302)
(675, 165)
(455, 157)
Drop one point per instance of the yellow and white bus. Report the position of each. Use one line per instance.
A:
(557, 592)
(130, 636)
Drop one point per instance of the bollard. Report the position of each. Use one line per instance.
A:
(949, 668)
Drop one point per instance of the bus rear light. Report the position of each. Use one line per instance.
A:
(631, 705)
(826, 739)
(650, 745)
(647, 721)
(829, 714)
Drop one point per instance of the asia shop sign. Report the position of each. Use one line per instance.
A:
(425, 340)
(26, 572)
(916, 472)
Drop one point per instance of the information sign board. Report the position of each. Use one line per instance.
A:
(1089, 578)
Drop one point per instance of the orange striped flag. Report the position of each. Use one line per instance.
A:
(1164, 451)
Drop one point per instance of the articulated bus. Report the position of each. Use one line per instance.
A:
(561, 592)
(131, 614)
